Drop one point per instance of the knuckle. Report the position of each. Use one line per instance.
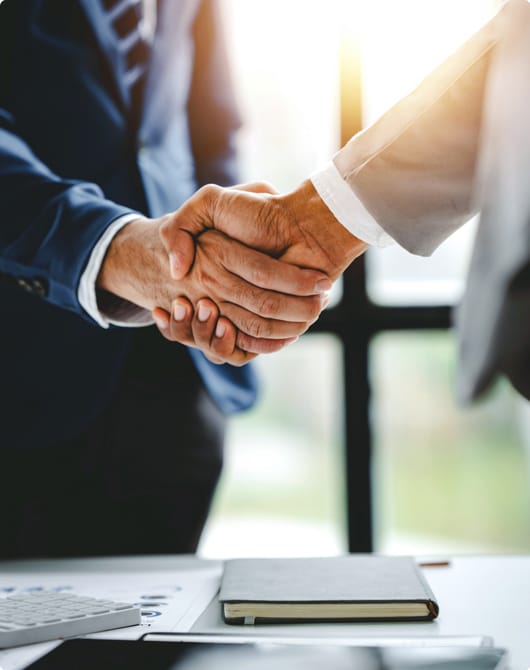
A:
(258, 275)
(255, 346)
(179, 334)
(314, 306)
(259, 328)
(267, 186)
(242, 293)
(177, 330)
(269, 305)
(164, 230)
(206, 280)
(244, 341)
(222, 355)
(304, 281)
(173, 337)
(209, 192)
(263, 186)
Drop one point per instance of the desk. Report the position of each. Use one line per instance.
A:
(486, 595)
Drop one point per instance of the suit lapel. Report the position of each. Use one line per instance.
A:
(109, 46)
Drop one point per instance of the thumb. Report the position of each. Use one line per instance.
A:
(179, 229)
(182, 254)
(180, 247)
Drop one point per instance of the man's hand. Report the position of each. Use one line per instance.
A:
(136, 269)
(297, 228)
(204, 329)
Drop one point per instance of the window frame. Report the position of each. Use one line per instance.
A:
(356, 320)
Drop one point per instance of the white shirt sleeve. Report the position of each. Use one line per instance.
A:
(347, 208)
(117, 312)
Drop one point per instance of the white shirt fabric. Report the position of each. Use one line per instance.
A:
(347, 208)
(122, 313)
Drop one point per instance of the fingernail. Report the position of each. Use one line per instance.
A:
(324, 300)
(204, 313)
(220, 329)
(179, 312)
(160, 321)
(323, 285)
(174, 267)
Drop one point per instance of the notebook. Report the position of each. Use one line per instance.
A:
(359, 587)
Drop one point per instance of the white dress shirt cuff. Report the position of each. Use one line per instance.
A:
(347, 208)
(117, 312)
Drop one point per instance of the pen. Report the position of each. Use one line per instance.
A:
(434, 564)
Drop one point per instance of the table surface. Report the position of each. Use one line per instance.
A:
(478, 596)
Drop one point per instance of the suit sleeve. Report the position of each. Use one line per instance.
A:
(413, 170)
(213, 113)
(48, 225)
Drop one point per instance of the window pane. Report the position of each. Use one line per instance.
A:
(395, 277)
(397, 53)
(446, 479)
(282, 489)
(285, 58)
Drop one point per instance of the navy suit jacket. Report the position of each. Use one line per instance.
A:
(71, 162)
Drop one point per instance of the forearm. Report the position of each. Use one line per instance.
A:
(414, 169)
(48, 224)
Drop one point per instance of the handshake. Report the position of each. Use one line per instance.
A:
(235, 271)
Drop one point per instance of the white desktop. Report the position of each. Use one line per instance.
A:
(483, 596)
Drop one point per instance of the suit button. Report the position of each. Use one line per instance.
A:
(24, 284)
(40, 287)
(36, 286)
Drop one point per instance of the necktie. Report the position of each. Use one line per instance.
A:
(126, 18)
(233, 389)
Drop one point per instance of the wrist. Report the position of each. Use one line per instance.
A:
(338, 246)
(134, 258)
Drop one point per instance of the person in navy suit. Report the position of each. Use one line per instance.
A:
(112, 114)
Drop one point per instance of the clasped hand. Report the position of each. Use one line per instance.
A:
(248, 272)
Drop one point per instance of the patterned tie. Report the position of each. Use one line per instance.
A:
(126, 21)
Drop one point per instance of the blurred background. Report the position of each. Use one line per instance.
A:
(358, 443)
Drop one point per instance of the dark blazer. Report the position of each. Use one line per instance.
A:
(71, 162)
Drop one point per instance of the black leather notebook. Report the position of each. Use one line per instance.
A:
(360, 587)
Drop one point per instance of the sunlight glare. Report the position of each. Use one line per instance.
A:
(401, 42)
